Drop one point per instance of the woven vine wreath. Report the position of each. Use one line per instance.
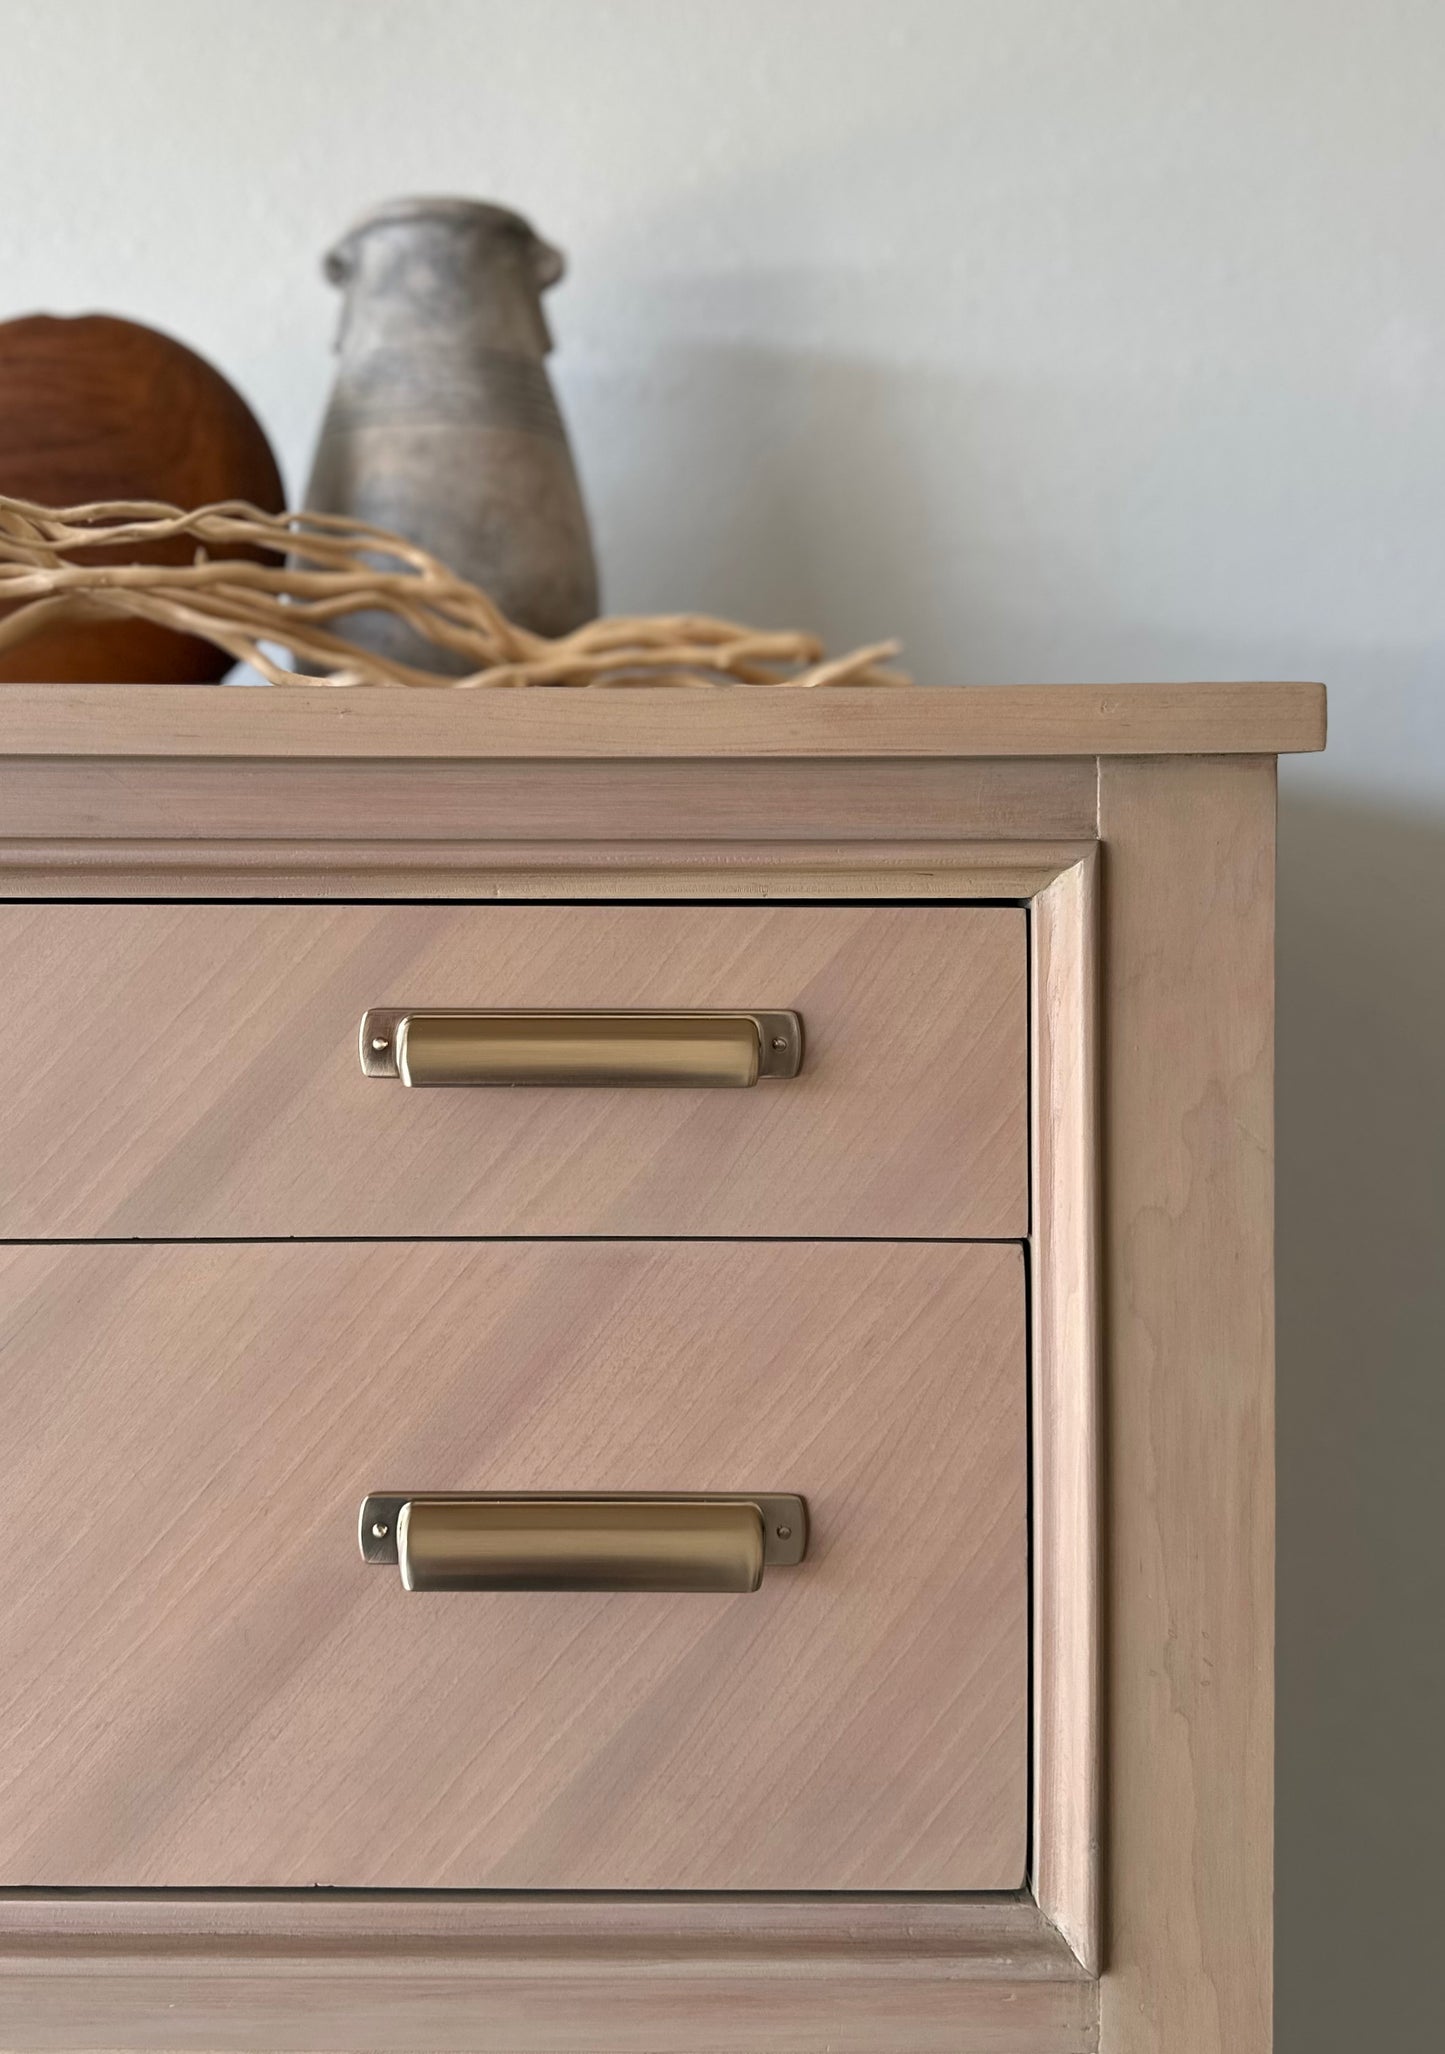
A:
(332, 567)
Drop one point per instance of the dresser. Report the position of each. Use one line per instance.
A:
(636, 1344)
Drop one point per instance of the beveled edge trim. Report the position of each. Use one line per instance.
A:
(1066, 1361)
(1228, 718)
(531, 870)
(759, 1975)
(966, 1936)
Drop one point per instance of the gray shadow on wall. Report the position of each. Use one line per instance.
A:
(1361, 1678)
(976, 517)
(789, 489)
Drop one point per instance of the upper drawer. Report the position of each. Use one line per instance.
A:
(193, 1070)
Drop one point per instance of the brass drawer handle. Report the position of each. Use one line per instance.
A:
(596, 1541)
(698, 1049)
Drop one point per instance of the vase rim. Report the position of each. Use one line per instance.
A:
(443, 206)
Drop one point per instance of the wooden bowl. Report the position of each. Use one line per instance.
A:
(95, 407)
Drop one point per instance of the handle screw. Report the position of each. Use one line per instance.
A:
(784, 1532)
(379, 1043)
(379, 1529)
(780, 1041)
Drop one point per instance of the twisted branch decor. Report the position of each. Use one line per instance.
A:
(332, 567)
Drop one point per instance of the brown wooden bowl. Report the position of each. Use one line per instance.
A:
(95, 407)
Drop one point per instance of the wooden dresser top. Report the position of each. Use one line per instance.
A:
(969, 721)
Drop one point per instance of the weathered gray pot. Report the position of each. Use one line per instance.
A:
(442, 423)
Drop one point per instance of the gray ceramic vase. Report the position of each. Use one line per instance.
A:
(442, 423)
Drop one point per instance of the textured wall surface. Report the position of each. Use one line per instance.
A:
(1099, 341)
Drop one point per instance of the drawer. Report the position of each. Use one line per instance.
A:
(193, 1070)
(205, 1685)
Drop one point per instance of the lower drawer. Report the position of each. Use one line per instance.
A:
(204, 1685)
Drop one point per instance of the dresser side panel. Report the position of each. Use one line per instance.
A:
(1188, 1169)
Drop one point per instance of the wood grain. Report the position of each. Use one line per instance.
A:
(380, 803)
(532, 870)
(1066, 1359)
(1189, 855)
(94, 407)
(201, 1684)
(1184, 1149)
(541, 1975)
(188, 1070)
(980, 720)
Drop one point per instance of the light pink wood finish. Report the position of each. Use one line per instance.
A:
(1189, 1182)
(662, 724)
(1066, 1365)
(192, 1070)
(201, 1684)
(421, 800)
(540, 1975)
(717, 871)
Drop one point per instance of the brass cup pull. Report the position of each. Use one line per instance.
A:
(698, 1049)
(602, 1541)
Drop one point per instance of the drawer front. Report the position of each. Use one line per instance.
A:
(204, 1685)
(193, 1070)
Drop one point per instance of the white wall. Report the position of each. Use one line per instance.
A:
(1066, 340)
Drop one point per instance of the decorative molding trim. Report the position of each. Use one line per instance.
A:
(983, 1935)
(1066, 1358)
(568, 1975)
(529, 870)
